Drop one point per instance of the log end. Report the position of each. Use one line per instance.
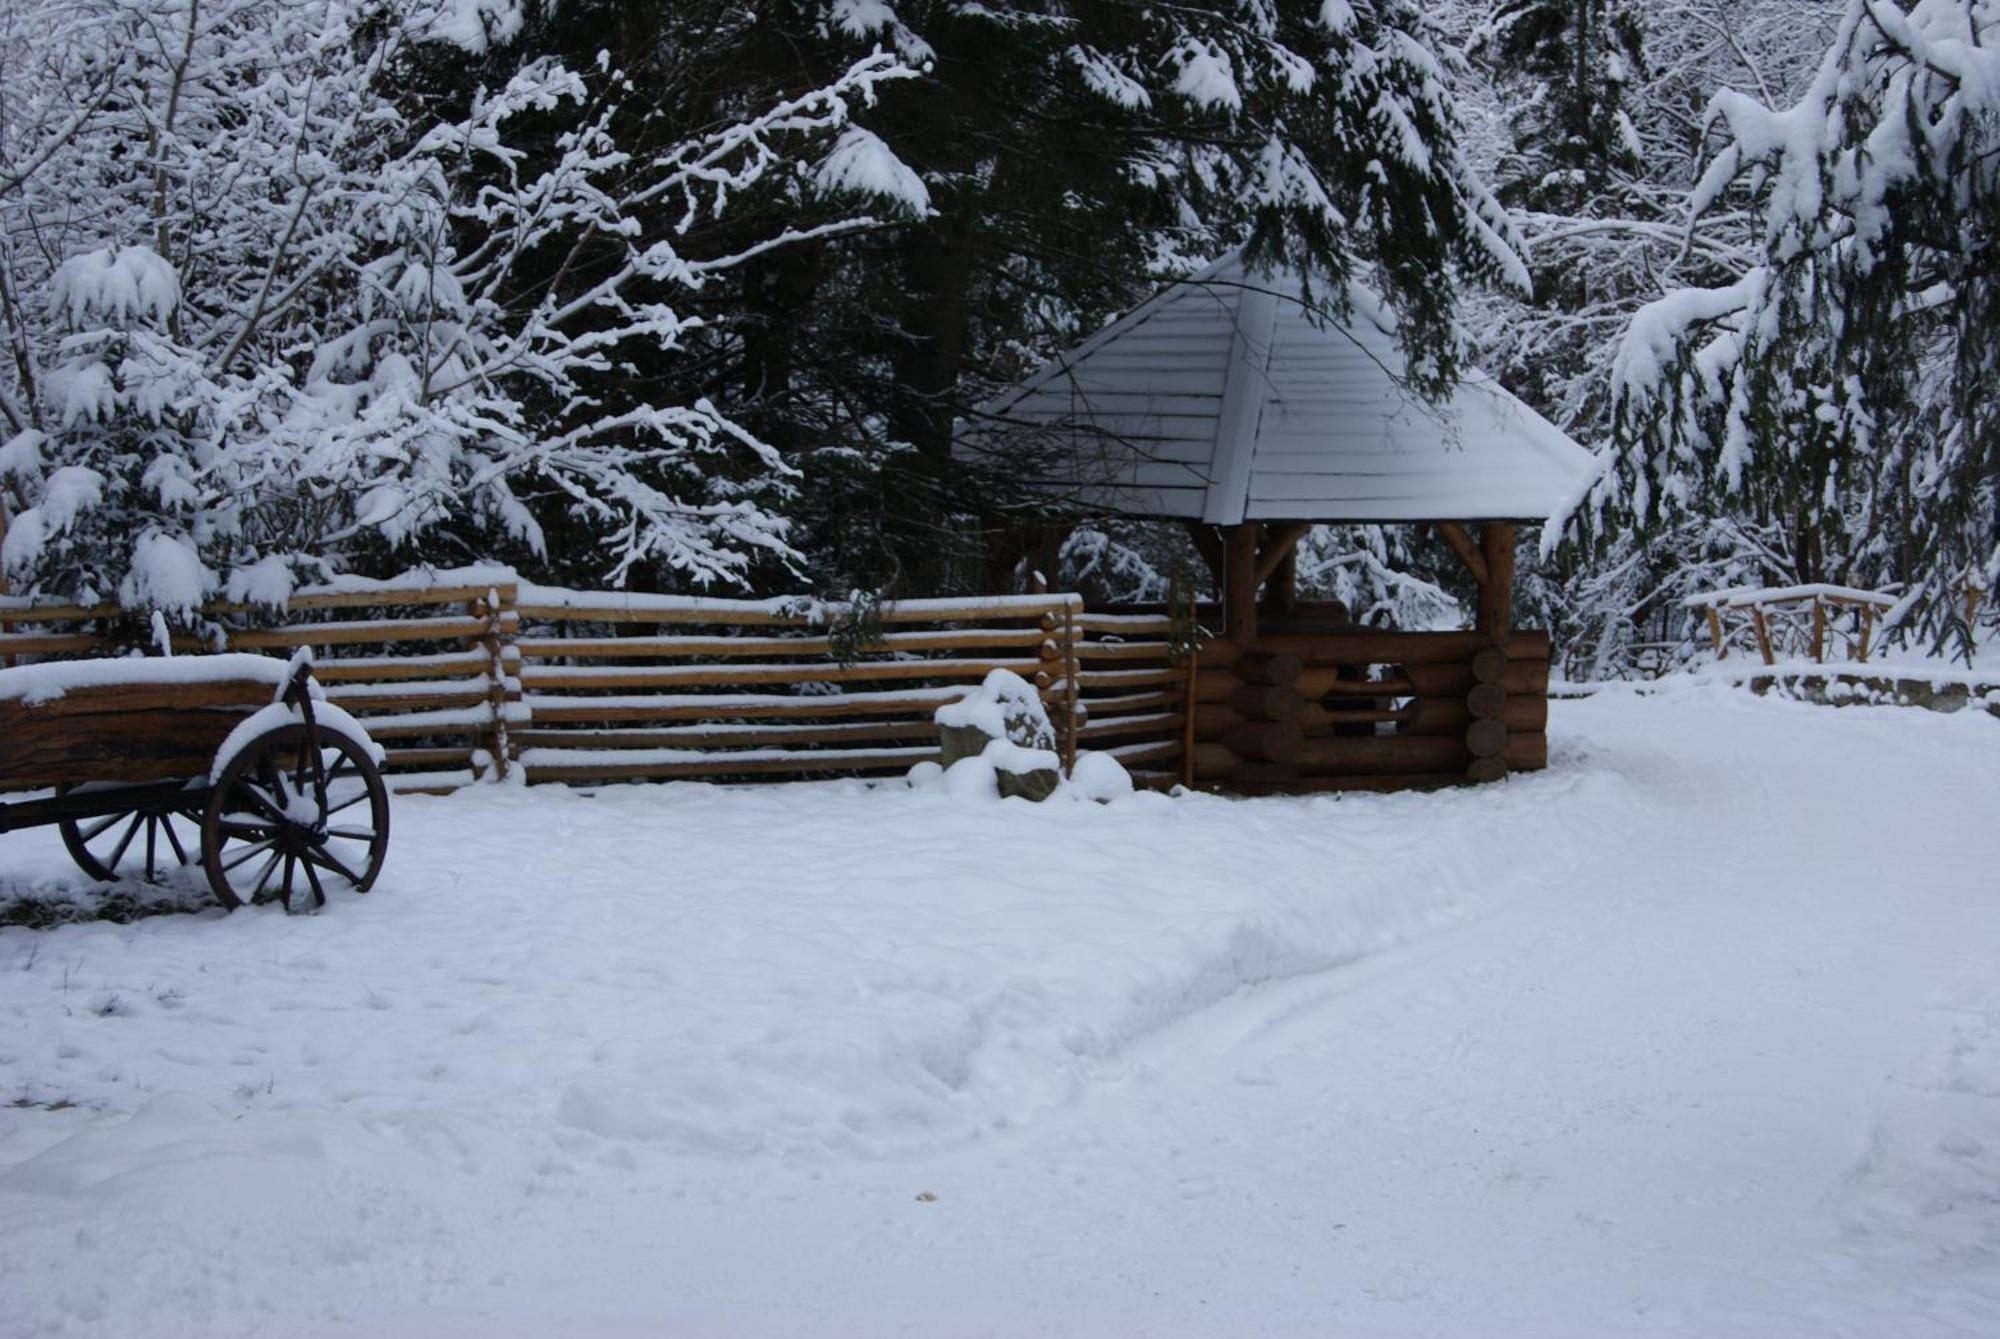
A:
(1486, 739)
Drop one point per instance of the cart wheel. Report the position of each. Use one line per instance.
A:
(286, 825)
(134, 843)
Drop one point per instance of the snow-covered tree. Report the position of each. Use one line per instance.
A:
(1838, 389)
(269, 313)
(1574, 61)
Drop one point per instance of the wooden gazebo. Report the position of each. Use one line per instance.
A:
(1228, 403)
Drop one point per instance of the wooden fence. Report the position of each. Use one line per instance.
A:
(474, 674)
(1795, 622)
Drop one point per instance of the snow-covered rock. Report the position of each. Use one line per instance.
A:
(1003, 724)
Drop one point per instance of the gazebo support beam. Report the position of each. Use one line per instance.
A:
(1239, 583)
(1278, 564)
(1208, 546)
(1496, 588)
(1465, 546)
(1281, 588)
(1280, 545)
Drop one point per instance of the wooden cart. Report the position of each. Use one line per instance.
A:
(226, 762)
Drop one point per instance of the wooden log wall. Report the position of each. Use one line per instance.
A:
(1367, 710)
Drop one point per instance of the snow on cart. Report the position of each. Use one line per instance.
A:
(233, 763)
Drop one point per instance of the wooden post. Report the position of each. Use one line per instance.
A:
(1486, 738)
(1072, 666)
(1278, 543)
(1187, 720)
(1763, 633)
(1282, 589)
(1208, 547)
(1496, 593)
(1467, 549)
(1819, 630)
(1239, 583)
(493, 608)
(1715, 633)
(1867, 628)
(5, 625)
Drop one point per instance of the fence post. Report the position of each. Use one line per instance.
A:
(1763, 633)
(502, 655)
(1072, 666)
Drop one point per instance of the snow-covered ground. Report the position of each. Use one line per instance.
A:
(1697, 1033)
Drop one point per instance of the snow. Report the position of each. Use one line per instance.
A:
(70, 492)
(862, 18)
(268, 581)
(278, 715)
(41, 683)
(860, 163)
(166, 573)
(1648, 1044)
(1736, 596)
(1336, 15)
(1100, 777)
(1001, 694)
(974, 778)
(115, 287)
(1103, 77)
(1205, 78)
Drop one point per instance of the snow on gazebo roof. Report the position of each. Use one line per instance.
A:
(1225, 399)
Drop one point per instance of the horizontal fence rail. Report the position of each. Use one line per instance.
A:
(629, 687)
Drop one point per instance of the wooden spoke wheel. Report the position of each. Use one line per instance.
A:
(135, 843)
(288, 823)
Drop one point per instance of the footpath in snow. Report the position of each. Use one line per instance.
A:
(1697, 1033)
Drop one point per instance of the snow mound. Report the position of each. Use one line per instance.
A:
(1100, 777)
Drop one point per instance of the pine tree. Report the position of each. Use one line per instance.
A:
(1840, 389)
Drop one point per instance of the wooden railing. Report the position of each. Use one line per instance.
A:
(473, 674)
(1794, 622)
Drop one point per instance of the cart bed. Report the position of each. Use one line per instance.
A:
(127, 720)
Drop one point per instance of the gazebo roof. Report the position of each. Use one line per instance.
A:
(1224, 399)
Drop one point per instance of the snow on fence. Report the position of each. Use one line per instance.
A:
(1793, 622)
(473, 673)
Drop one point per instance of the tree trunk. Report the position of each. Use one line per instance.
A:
(937, 281)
